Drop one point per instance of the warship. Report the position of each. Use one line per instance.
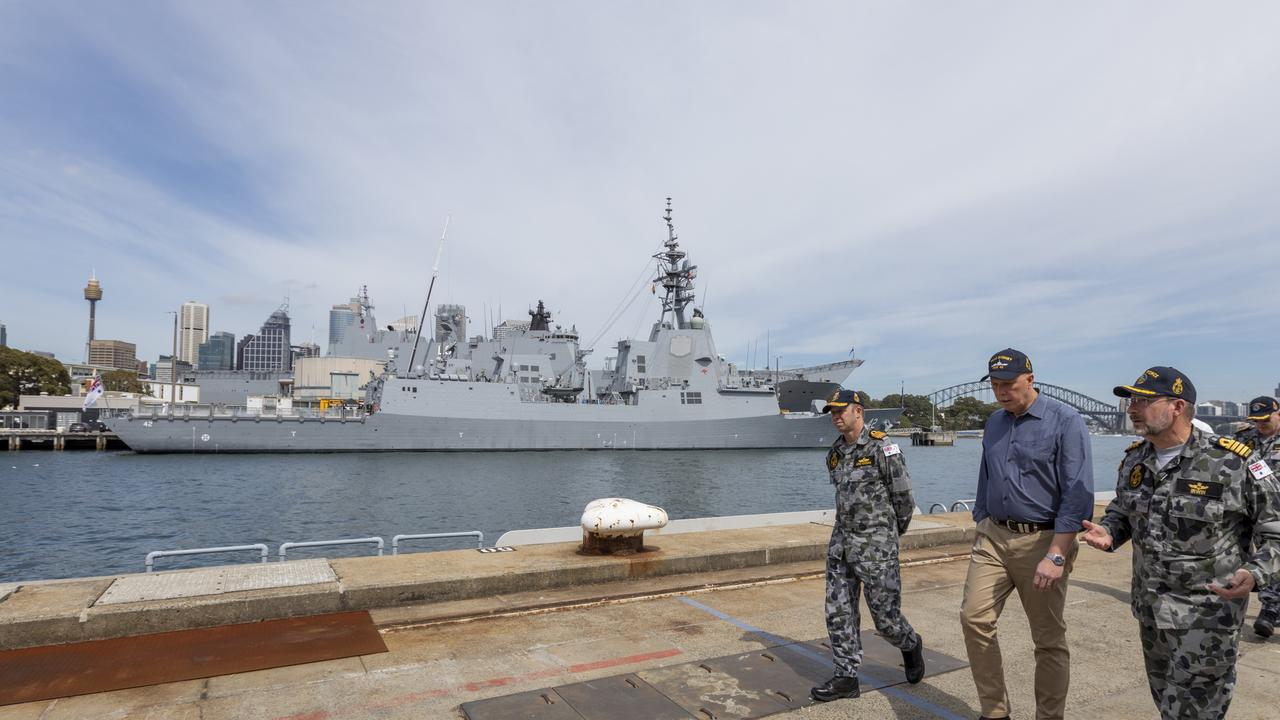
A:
(530, 389)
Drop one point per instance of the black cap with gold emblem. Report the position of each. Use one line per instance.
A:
(842, 397)
(1159, 381)
(1007, 364)
(1260, 408)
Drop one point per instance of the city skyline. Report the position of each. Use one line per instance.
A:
(925, 184)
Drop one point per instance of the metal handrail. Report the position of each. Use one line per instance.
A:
(962, 504)
(937, 505)
(284, 547)
(151, 556)
(395, 541)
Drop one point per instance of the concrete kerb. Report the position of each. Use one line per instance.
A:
(64, 612)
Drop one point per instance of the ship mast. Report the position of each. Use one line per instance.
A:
(676, 275)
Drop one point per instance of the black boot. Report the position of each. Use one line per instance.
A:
(836, 688)
(913, 661)
(1265, 625)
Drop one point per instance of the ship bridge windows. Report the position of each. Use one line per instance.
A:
(640, 364)
(691, 398)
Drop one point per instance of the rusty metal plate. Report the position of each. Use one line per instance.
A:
(782, 673)
(621, 697)
(705, 692)
(54, 671)
(542, 704)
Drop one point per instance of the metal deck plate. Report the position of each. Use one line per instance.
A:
(882, 662)
(532, 705)
(216, 580)
(704, 691)
(621, 697)
(783, 673)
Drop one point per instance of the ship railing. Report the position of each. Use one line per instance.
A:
(223, 412)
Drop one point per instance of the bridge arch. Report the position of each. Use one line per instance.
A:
(1107, 415)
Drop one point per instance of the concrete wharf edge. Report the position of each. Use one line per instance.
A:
(410, 588)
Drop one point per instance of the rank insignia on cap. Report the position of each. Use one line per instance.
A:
(1177, 386)
(1135, 477)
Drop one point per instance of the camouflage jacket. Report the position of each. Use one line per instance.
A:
(1268, 448)
(1192, 523)
(873, 497)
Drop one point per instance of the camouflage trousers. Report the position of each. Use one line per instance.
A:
(882, 583)
(1270, 597)
(1192, 673)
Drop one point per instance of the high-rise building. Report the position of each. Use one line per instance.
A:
(218, 353)
(451, 322)
(269, 350)
(92, 293)
(305, 350)
(165, 369)
(116, 354)
(4, 336)
(193, 329)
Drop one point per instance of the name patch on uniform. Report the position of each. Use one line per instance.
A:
(1135, 477)
(1211, 490)
(1260, 469)
(862, 462)
(890, 449)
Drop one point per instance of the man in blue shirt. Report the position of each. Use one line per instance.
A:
(1035, 490)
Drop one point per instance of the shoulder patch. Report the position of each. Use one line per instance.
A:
(890, 449)
(1259, 470)
(878, 434)
(1235, 446)
(1134, 446)
(833, 459)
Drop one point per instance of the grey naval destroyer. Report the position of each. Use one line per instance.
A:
(530, 389)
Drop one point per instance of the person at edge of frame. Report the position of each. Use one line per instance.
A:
(1035, 490)
(873, 507)
(1263, 435)
(1194, 504)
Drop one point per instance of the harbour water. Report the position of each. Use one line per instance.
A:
(74, 514)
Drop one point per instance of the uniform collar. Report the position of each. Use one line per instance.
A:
(844, 446)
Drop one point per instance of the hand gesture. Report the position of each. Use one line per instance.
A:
(1240, 585)
(1096, 536)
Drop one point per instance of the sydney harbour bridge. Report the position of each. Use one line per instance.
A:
(1107, 415)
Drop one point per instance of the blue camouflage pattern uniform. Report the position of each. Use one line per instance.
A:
(1269, 449)
(1191, 523)
(873, 507)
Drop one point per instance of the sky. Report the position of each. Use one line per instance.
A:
(924, 183)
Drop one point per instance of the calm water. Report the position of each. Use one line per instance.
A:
(79, 513)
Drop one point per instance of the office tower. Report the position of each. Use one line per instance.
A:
(218, 353)
(193, 329)
(4, 336)
(115, 354)
(269, 350)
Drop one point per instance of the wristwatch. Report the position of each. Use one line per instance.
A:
(1056, 559)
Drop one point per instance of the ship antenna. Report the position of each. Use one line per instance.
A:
(435, 272)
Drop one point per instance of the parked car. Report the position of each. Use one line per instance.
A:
(77, 427)
(96, 426)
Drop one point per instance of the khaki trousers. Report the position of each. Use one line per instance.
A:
(1004, 561)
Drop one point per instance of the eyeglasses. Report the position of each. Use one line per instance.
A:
(1141, 402)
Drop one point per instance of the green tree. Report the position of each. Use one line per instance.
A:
(122, 381)
(967, 413)
(918, 408)
(24, 373)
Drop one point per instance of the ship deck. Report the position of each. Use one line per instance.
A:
(447, 658)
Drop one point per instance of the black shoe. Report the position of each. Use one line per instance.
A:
(836, 688)
(913, 661)
(1265, 625)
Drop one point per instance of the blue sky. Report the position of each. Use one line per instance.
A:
(1093, 184)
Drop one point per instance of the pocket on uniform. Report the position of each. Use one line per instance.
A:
(1194, 525)
(1194, 508)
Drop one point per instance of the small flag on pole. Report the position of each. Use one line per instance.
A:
(95, 392)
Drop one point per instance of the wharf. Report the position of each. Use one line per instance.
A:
(14, 440)
(462, 626)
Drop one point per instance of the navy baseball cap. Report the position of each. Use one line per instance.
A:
(1260, 408)
(1007, 364)
(1159, 381)
(843, 397)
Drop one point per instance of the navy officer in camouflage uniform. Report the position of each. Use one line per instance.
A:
(1193, 504)
(1262, 435)
(873, 507)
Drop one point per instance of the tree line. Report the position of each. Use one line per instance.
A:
(24, 373)
(966, 413)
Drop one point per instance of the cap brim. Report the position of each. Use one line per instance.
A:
(1130, 391)
(1259, 417)
(1004, 375)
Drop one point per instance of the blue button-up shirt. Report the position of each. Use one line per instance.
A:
(1036, 467)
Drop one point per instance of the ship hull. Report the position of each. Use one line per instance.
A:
(385, 432)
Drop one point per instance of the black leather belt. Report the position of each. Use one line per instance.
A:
(1023, 528)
